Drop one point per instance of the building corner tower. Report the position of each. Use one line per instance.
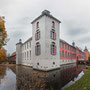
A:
(86, 52)
(19, 52)
(45, 42)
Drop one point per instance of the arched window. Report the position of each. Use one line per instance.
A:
(53, 49)
(53, 35)
(53, 24)
(37, 25)
(52, 32)
(38, 49)
(37, 35)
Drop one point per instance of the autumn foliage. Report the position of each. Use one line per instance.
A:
(3, 56)
(89, 56)
(3, 33)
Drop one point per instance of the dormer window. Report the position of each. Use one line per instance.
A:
(37, 25)
(53, 24)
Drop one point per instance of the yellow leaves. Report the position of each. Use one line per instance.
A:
(3, 33)
(3, 56)
(2, 26)
(89, 54)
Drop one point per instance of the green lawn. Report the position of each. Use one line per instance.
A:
(81, 84)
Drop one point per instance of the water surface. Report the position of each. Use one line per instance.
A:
(14, 77)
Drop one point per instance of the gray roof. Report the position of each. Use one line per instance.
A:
(60, 40)
(67, 43)
(47, 13)
(28, 40)
(31, 39)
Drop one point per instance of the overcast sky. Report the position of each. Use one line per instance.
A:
(74, 15)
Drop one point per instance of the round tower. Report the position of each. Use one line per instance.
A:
(18, 52)
(86, 52)
(73, 44)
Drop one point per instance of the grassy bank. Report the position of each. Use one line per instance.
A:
(81, 84)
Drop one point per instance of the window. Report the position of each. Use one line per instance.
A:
(68, 54)
(63, 53)
(30, 44)
(53, 62)
(23, 56)
(38, 63)
(37, 25)
(23, 47)
(37, 35)
(53, 35)
(65, 46)
(53, 24)
(37, 49)
(60, 53)
(53, 49)
(30, 55)
(68, 47)
(27, 55)
(62, 45)
(27, 45)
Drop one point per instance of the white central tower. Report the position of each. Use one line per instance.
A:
(45, 42)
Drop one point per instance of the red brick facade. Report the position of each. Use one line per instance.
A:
(68, 51)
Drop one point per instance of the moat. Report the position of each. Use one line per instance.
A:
(14, 77)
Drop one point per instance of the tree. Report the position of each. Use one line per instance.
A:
(89, 56)
(3, 56)
(3, 34)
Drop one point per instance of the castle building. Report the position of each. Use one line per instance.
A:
(45, 50)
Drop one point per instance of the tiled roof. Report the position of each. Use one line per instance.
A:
(13, 54)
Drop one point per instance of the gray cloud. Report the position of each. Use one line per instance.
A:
(74, 15)
(76, 31)
(84, 40)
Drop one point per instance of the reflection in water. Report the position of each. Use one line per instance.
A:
(2, 71)
(8, 82)
(25, 78)
(74, 80)
(28, 78)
